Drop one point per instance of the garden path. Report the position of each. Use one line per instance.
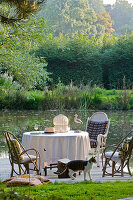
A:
(96, 174)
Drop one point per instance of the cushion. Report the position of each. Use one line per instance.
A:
(27, 159)
(96, 128)
(15, 149)
(115, 156)
(34, 180)
(124, 147)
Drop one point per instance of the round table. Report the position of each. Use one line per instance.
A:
(69, 145)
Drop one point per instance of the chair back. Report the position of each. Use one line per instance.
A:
(97, 124)
(94, 129)
(99, 117)
(14, 147)
(126, 148)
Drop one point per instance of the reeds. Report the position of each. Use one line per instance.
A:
(64, 97)
(124, 97)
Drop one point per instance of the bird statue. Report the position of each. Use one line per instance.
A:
(77, 120)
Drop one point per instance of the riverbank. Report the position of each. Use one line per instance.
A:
(67, 97)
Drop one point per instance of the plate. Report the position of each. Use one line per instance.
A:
(35, 133)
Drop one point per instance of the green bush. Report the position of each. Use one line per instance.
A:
(75, 59)
(62, 97)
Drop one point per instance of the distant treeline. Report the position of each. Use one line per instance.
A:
(89, 16)
(83, 61)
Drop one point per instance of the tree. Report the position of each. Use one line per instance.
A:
(76, 16)
(117, 61)
(122, 15)
(97, 5)
(70, 16)
(15, 10)
(76, 58)
(15, 53)
(105, 21)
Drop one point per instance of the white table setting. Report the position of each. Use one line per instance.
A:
(58, 143)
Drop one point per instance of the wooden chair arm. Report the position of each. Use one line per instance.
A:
(104, 151)
(37, 155)
(32, 149)
(116, 148)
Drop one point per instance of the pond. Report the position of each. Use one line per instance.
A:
(21, 121)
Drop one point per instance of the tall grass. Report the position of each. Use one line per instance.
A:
(124, 97)
(12, 96)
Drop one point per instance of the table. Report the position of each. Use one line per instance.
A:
(69, 145)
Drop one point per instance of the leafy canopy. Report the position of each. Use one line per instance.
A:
(16, 59)
(12, 11)
(76, 16)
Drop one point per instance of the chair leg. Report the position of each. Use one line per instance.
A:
(12, 170)
(102, 157)
(113, 168)
(97, 152)
(128, 169)
(37, 168)
(98, 165)
(19, 166)
(104, 168)
(122, 163)
(27, 168)
(45, 171)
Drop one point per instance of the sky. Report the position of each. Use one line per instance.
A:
(113, 1)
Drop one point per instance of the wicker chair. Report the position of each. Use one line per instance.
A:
(98, 126)
(19, 155)
(119, 158)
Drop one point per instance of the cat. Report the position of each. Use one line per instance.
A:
(78, 165)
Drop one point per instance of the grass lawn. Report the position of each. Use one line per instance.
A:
(84, 190)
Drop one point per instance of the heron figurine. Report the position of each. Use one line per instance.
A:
(77, 120)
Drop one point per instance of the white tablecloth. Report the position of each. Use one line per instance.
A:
(58, 146)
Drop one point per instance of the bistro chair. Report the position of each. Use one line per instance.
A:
(119, 158)
(20, 156)
(98, 126)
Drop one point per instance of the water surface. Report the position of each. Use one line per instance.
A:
(19, 122)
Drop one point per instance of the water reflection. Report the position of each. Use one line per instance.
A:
(21, 121)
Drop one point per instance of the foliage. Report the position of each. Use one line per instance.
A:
(82, 60)
(124, 97)
(97, 5)
(75, 59)
(12, 195)
(104, 20)
(122, 15)
(75, 16)
(70, 17)
(15, 55)
(117, 62)
(83, 190)
(12, 11)
(30, 54)
(63, 97)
